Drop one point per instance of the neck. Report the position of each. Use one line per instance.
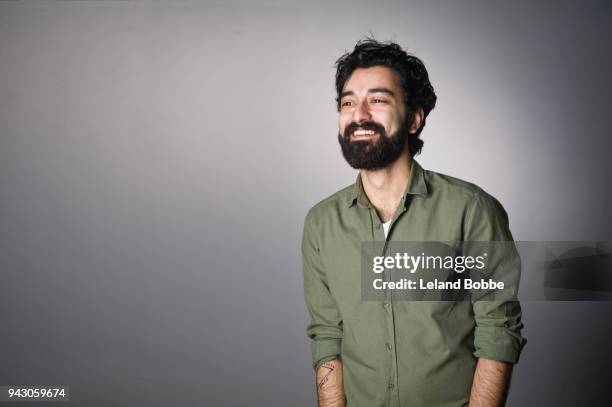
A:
(385, 187)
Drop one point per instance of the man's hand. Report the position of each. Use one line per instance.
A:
(330, 388)
(491, 383)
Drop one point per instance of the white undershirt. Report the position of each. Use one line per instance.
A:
(386, 226)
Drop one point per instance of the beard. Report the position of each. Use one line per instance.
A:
(372, 154)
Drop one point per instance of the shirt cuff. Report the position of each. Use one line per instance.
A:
(498, 343)
(324, 350)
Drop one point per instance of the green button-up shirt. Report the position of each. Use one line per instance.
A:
(403, 353)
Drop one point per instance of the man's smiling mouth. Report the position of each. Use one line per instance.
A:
(363, 134)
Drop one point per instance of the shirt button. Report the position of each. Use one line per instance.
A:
(388, 346)
(386, 305)
(390, 385)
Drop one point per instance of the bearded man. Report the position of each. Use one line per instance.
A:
(399, 353)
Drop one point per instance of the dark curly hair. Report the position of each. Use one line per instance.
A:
(413, 75)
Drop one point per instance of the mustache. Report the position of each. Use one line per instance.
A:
(369, 125)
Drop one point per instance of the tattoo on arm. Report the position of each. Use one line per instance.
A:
(330, 387)
(330, 367)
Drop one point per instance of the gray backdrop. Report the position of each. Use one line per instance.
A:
(157, 160)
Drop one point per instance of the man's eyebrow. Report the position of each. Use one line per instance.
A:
(373, 90)
(381, 90)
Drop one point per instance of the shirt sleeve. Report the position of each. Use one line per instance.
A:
(325, 327)
(497, 334)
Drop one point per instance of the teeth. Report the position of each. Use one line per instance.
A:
(363, 132)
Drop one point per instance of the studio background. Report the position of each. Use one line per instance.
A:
(157, 160)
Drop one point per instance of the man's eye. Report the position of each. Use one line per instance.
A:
(379, 101)
(347, 103)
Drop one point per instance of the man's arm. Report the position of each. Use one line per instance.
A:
(330, 390)
(325, 327)
(497, 337)
(491, 383)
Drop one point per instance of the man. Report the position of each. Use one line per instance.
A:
(399, 353)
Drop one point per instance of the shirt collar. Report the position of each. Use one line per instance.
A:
(416, 186)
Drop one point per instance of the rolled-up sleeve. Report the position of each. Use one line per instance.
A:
(498, 330)
(497, 334)
(325, 327)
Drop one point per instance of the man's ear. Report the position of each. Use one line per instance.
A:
(418, 116)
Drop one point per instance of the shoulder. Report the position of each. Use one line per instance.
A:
(439, 184)
(484, 218)
(329, 207)
(460, 191)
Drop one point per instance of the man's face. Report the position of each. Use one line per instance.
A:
(372, 124)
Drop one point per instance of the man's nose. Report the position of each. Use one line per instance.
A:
(361, 113)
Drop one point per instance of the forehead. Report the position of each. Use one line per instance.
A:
(363, 79)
